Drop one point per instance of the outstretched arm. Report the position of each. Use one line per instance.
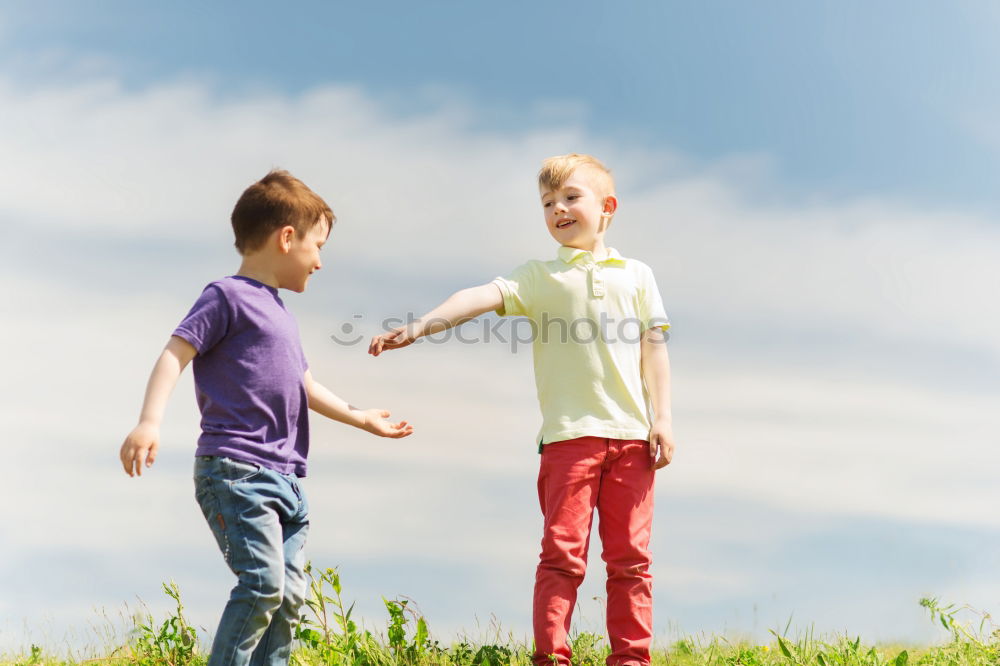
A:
(656, 375)
(459, 308)
(324, 402)
(141, 445)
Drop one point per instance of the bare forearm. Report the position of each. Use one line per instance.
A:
(461, 306)
(458, 308)
(656, 373)
(140, 446)
(325, 403)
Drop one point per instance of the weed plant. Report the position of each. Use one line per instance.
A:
(328, 636)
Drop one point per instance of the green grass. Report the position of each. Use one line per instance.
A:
(328, 635)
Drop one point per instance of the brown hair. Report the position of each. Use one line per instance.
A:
(277, 200)
(556, 170)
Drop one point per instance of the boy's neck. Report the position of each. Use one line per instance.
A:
(254, 268)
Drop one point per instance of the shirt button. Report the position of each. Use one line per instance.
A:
(596, 284)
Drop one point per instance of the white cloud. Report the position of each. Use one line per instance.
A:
(878, 268)
(428, 205)
(425, 195)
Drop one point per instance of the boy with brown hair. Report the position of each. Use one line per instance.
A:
(253, 387)
(604, 392)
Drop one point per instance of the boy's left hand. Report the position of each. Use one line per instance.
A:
(377, 424)
(661, 438)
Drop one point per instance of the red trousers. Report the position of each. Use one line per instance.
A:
(615, 477)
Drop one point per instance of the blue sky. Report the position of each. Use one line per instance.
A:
(845, 99)
(813, 187)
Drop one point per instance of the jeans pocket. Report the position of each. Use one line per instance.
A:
(239, 471)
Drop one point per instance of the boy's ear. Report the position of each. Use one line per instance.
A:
(610, 206)
(285, 236)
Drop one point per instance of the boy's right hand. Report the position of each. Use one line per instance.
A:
(377, 424)
(139, 448)
(397, 338)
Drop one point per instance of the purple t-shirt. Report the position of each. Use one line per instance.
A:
(249, 375)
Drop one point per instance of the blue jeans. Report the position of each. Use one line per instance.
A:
(260, 520)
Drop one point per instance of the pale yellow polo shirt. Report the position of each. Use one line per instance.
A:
(587, 319)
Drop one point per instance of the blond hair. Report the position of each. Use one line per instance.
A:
(557, 170)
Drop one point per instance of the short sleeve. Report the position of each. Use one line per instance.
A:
(518, 291)
(651, 310)
(207, 322)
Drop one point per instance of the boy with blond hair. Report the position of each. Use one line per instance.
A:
(604, 393)
(253, 387)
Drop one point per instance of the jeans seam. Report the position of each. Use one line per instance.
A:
(214, 504)
(239, 533)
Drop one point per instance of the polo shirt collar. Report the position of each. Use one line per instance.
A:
(572, 254)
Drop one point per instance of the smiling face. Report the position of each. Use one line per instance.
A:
(576, 213)
(301, 255)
